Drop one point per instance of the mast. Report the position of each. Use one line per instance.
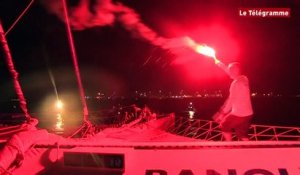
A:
(14, 74)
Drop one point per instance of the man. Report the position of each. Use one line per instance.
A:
(236, 113)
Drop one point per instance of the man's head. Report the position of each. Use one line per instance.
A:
(234, 70)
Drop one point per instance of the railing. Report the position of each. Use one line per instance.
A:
(210, 131)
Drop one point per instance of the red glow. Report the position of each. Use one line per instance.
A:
(224, 46)
(219, 38)
(202, 49)
(205, 50)
(199, 48)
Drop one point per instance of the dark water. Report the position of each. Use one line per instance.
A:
(273, 111)
(283, 111)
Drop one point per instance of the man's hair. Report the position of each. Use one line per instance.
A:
(235, 67)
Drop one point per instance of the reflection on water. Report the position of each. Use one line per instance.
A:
(59, 123)
(270, 111)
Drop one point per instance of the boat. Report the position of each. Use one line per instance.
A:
(153, 145)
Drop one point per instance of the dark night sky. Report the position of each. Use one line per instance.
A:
(111, 58)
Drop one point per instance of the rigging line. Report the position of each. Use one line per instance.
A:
(14, 74)
(75, 62)
(20, 16)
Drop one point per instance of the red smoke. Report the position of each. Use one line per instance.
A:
(88, 13)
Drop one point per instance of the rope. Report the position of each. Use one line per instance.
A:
(9, 127)
(7, 131)
(4, 171)
(14, 74)
(75, 62)
(18, 19)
